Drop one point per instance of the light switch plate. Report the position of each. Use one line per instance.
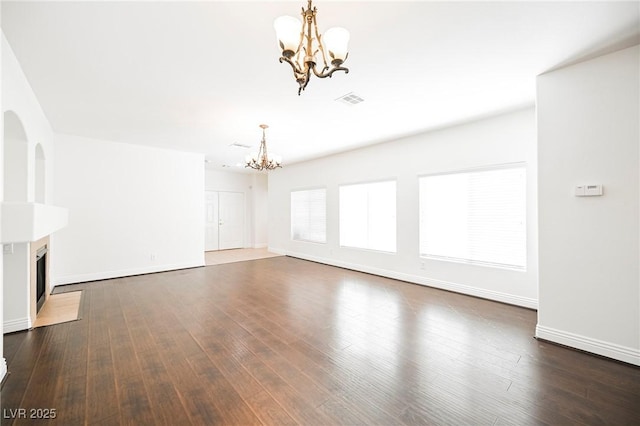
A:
(588, 190)
(592, 190)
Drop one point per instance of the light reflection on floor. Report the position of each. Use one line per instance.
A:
(368, 318)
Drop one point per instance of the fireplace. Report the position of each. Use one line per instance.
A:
(41, 277)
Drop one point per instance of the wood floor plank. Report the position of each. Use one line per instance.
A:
(193, 395)
(71, 383)
(163, 396)
(286, 341)
(268, 410)
(71, 392)
(296, 406)
(16, 384)
(265, 407)
(102, 400)
(11, 345)
(42, 388)
(223, 396)
(134, 404)
(334, 405)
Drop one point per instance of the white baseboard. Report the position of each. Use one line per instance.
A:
(260, 245)
(588, 344)
(3, 368)
(105, 275)
(511, 299)
(417, 279)
(19, 324)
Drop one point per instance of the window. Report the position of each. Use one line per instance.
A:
(368, 216)
(476, 217)
(309, 215)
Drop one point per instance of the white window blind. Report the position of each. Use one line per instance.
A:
(368, 216)
(475, 217)
(309, 215)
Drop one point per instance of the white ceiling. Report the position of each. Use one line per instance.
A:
(199, 76)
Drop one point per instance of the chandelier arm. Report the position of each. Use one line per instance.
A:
(320, 45)
(325, 74)
(320, 73)
(301, 34)
(294, 66)
(260, 160)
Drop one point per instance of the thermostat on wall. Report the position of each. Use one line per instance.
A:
(588, 190)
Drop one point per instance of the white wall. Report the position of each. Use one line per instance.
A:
(254, 188)
(18, 97)
(16, 315)
(260, 210)
(504, 139)
(3, 362)
(588, 119)
(132, 209)
(29, 122)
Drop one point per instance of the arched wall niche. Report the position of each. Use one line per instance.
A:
(16, 148)
(40, 175)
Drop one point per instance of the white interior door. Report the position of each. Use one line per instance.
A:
(230, 220)
(211, 220)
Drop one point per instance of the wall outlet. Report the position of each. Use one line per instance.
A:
(153, 257)
(422, 265)
(7, 248)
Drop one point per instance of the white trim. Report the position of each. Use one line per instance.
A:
(105, 275)
(3, 369)
(489, 167)
(260, 245)
(20, 324)
(497, 296)
(588, 344)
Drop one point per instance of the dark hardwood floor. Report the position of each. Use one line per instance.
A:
(286, 341)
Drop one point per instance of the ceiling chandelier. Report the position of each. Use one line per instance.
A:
(300, 42)
(262, 160)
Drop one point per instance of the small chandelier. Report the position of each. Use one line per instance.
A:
(301, 41)
(262, 160)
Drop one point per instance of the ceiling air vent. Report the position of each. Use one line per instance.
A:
(350, 99)
(239, 145)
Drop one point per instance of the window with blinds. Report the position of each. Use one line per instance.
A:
(476, 217)
(309, 215)
(368, 216)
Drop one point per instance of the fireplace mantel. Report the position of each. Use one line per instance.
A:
(25, 231)
(28, 222)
